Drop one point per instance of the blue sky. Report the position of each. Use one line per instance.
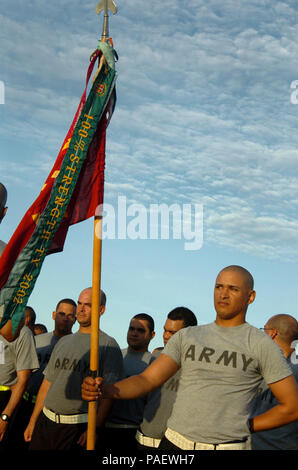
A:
(205, 115)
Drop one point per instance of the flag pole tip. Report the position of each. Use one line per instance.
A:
(105, 5)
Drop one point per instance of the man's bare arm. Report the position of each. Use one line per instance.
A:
(135, 386)
(42, 393)
(286, 392)
(17, 391)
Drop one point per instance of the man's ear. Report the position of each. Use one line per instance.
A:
(252, 296)
(273, 333)
(102, 310)
(53, 315)
(152, 334)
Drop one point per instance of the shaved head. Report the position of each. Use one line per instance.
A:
(103, 298)
(286, 325)
(247, 277)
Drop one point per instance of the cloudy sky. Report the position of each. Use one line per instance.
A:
(205, 117)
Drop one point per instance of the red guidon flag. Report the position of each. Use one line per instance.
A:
(88, 193)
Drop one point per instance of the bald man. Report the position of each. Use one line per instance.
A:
(222, 365)
(283, 330)
(59, 419)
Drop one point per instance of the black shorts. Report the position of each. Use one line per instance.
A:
(51, 436)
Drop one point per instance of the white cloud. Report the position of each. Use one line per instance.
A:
(203, 112)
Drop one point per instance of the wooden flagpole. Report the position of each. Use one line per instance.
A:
(105, 6)
(94, 346)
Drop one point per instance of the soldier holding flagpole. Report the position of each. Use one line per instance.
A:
(59, 419)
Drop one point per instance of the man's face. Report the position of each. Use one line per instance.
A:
(84, 308)
(139, 335)
(170, 328)
(64, 317)
(231, 295)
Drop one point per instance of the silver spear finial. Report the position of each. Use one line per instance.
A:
(105, 6)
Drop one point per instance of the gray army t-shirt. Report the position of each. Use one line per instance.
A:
(69, 365)
(17, 355)
(221, 370)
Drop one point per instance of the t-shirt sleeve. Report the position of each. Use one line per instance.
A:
(174, 346)
(112, 367)
(273, 365)
(25, 350)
